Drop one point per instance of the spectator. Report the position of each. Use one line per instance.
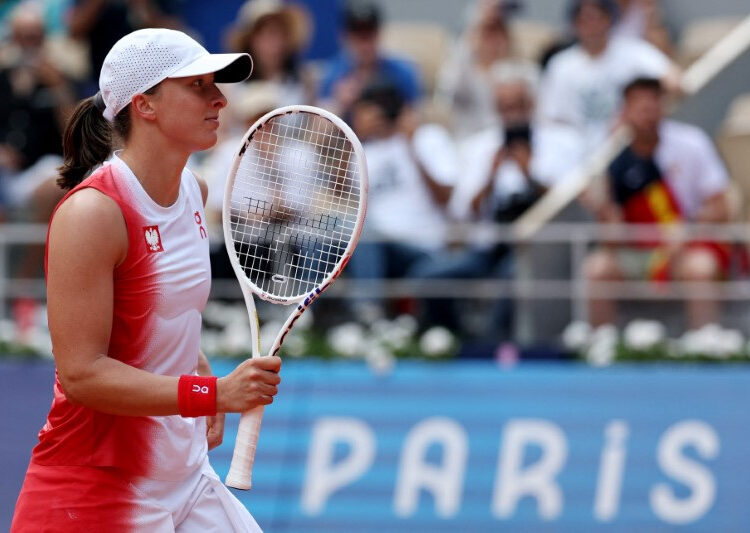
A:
(669, 174)
(274, 33)
(505, 170)
(361, 62)
(643, 19)
(412, 169)
(500, 161)
(101, 23)
(582, 86)
(35, 100)
(464, 84)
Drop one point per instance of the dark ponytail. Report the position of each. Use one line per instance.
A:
(87, 142)
(89, 138)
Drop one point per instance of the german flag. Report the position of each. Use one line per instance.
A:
(645, 197)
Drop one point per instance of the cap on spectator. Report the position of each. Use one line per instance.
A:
(608, 6)
(255, 99)
(254, 12)
(143, 58)
(361, 16)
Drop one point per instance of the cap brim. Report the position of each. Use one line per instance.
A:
(229, 68)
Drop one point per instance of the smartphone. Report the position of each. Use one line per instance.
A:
(517, 133)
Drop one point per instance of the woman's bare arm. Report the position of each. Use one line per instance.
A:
(88, 239)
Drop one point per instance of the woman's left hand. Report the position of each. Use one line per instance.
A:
(214, 430)
(214, 424)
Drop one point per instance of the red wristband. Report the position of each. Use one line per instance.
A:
(196, 395)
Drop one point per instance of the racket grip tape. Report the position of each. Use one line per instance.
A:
(241, 469)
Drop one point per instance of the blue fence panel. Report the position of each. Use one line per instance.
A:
(539, 448)
(470, 447)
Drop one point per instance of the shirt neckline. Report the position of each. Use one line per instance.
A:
(140, 192)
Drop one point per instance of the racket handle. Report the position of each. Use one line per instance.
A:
(240, 474)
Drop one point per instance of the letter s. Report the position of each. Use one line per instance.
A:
(697, 477)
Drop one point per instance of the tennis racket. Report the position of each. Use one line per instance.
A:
(293, 210)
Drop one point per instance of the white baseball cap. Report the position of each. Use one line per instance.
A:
(143, 58)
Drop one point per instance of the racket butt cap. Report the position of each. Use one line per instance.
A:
(236, 483)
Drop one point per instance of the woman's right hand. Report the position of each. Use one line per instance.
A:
(254, 382)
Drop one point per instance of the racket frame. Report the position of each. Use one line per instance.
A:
(240, 471)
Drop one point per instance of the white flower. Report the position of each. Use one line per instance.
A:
(732, 341)
(407, 323)
(395, 335)
(605, 331)
(603, 348)
(210, 342)
(379, 360)
(713, 341)
(644, 334)
(381, 328)
(577, 336)
(294, 344)
(347, 339)
(601, 353)
(691, 342)
(436, 341)
(236, 338)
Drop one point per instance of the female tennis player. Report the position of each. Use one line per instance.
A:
(135, 407)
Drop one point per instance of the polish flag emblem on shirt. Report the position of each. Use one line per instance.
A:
(153, 239)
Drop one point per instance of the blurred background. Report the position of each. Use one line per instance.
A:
(485, 361)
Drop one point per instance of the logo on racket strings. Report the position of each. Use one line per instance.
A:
(153, 239)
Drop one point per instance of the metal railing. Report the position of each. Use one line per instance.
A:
(525, 286)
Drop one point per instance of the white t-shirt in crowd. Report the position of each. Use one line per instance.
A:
(400, 202)
(555, 150)
(215, 169)
(585, 92)
(690, 165)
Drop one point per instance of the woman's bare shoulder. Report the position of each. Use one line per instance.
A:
(89, 219)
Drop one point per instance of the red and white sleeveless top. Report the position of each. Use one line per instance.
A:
(160, 290)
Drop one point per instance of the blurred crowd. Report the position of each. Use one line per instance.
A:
(473, 127)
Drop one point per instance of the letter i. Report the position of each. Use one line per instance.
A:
(611, 467)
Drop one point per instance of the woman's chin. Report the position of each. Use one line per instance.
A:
(207, 143)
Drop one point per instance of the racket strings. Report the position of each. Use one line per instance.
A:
(295, 202)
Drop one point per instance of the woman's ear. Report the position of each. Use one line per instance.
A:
(142, 107)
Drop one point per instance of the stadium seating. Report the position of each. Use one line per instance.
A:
(531, 38)
(733, 142)
(425, 43)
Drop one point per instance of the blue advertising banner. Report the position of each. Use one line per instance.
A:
(471, 447)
